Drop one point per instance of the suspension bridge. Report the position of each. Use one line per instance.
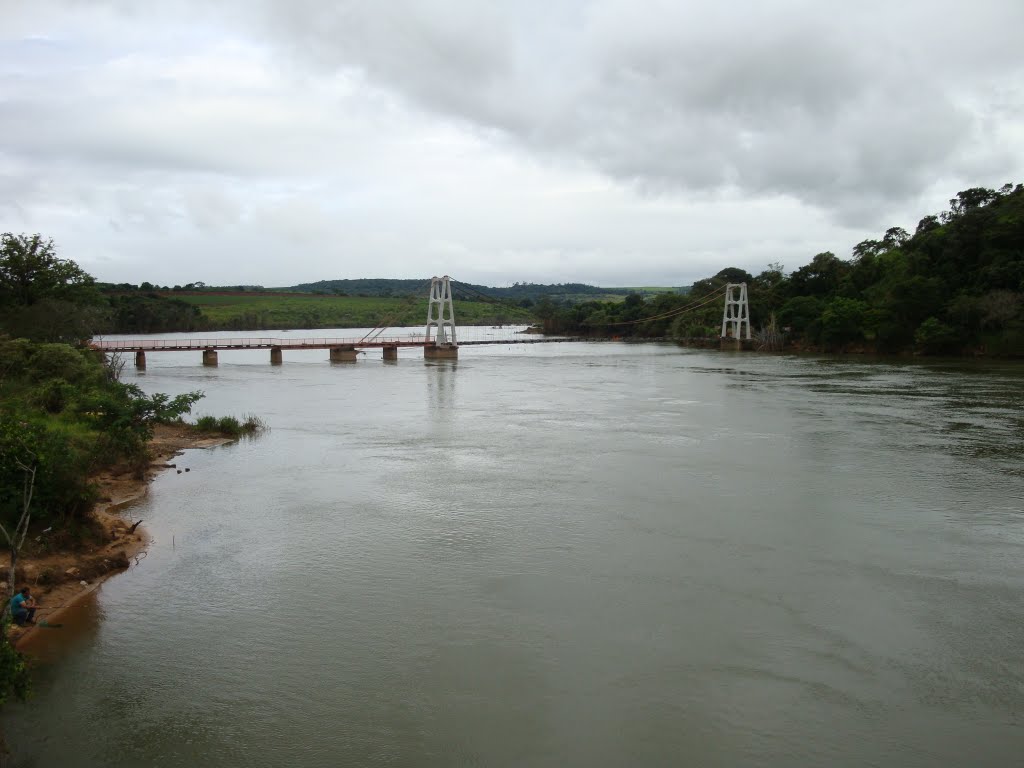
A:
(438, 342)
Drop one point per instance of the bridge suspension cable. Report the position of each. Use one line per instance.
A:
(678, 311)
(384, 324)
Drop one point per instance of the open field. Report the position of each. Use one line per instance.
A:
(254, 311)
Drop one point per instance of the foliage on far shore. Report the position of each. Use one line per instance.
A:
(255, 311)
(955, 286)
(50, 299)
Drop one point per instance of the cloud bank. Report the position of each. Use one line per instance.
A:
(609, 142)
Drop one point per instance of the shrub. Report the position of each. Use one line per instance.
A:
(53, 396)
(207, 423)
(59, 361)
(934, 336)
(229, 425)
(61, 488)
(842, 321)
(253, 424)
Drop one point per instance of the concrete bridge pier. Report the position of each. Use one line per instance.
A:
(210, 357)
(276, 358)
(390, 353)
(344, 354)
(441, 352)
(729, 344)
(140, 359)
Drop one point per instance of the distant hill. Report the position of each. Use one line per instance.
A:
(519, 293)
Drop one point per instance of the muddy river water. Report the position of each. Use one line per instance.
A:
(564, 555)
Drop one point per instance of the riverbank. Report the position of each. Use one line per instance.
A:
(61, 578)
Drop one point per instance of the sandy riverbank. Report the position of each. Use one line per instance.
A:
(58, 580)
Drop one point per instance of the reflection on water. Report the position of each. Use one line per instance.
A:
(441, 379)
(78, 626)
(565, 555)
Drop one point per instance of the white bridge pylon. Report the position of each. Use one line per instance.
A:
(736, 312)
(441, 311)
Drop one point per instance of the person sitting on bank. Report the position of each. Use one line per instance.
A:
(23, 608)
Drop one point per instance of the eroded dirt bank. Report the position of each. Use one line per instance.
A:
(59, 578)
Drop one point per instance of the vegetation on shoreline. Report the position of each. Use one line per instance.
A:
(135, 311)
(64, 417)
(230, 426)
(956, 286)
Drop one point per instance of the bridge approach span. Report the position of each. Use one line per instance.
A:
(341, 350)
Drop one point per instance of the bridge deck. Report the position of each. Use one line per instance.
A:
(179, 345)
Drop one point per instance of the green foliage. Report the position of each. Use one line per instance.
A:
(61, 489)
(30, 271)
(64, 414)
(842, 321)
(59, 361)
(124, 416)
(206, 423)
(517, 294)
(802, 315)
(54, 320)
(955, 285)
(152, 313)
(14, 673)
(45, 298)
(230, 426)
(255, 311)
(935, 336)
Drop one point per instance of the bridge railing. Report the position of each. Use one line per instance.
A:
(249, 343)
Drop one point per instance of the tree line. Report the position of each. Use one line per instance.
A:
(49, 299)
(954, 286)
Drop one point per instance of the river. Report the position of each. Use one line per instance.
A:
(563, 555)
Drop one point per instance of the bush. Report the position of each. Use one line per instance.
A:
(59, 361)
(842, 321)
(801, 315)
(53, 396)
(230, 426)
(936, 337)
(207, 423)
(253, 424)
(14, 675)
(61, 488)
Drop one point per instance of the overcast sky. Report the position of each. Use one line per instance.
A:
(614, 142)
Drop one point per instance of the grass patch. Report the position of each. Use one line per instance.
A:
(231, 426)
(268, 312)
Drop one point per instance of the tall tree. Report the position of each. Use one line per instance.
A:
(45, 298)
(31, 271)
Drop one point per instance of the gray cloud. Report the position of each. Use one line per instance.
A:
(608, 141)
(852, 108)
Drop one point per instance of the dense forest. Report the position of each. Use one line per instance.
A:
(954, 286)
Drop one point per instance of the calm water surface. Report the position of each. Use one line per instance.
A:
(549, 555)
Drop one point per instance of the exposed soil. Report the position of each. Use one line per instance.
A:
(111, 543)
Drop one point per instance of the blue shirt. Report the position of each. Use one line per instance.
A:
(16, 602)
